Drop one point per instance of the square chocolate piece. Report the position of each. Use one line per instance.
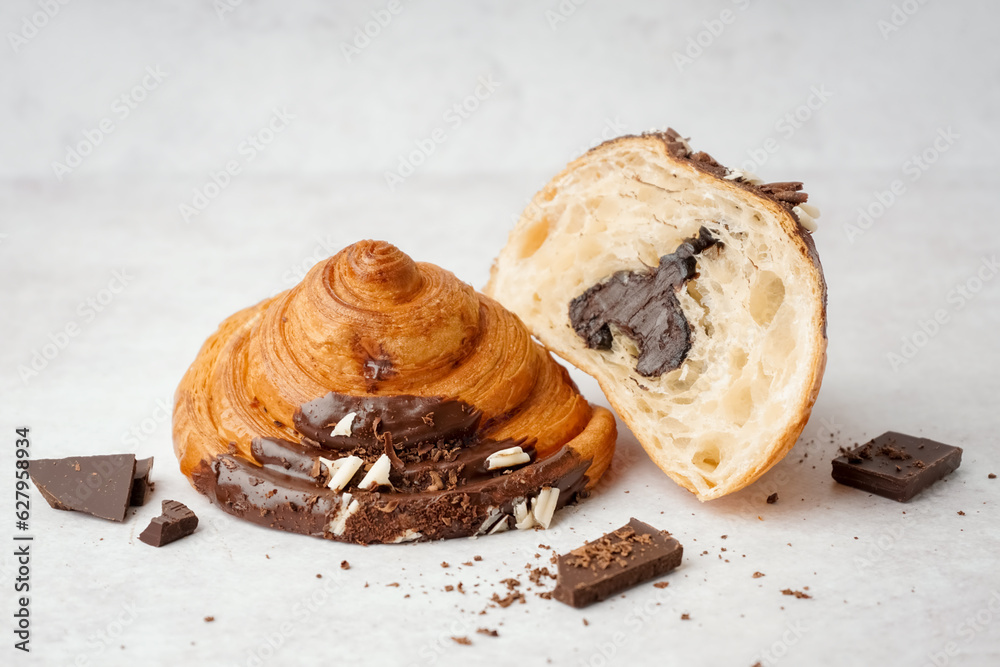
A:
(96, 485)
(177, 521)
(633, 554)
(895, 465)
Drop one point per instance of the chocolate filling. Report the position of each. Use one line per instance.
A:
(643, 305)
(441, 487)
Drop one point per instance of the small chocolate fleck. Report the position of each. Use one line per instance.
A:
(464, 641)
(344, 565)
(798, 594)
(773, 498)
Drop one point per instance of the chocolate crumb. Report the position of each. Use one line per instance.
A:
(798, 594)
(449, 588)
(445, 564)
(991, 476)
(488, 632)
(477, 558)
(319, 576)
(758, 575)
(586, 622)
(961, 513)
(344, 565)
(464, 641)
(394, 584)
(685, 617)
(209, 619)
(661, 584)
(513, 597)
(773, 498)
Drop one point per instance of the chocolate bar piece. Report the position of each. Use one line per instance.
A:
(142, 488)
(634, 553)
(177, 521)
(895, 465)
(96, 485)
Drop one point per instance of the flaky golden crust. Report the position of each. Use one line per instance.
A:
(370, 321)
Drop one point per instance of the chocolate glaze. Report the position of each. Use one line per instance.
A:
(412, 420)
(442, 490)
(644, 307)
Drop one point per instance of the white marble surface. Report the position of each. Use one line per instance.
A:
(916, 589)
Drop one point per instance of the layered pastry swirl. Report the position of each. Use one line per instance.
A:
(383, 400)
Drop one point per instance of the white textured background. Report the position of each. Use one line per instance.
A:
(885, 81)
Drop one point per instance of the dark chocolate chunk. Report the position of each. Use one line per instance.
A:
(773, 498)
(177, 521)
(895, 465)
(634, 553)
(644, 307)
(142, 488)
(97, 485)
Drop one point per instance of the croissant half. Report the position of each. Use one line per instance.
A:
(693, 293)
(383, 400)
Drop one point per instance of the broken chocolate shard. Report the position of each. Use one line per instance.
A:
(895, 465)
(97, 485)
(643, 305)
(177, 521)
(631, 555)
(142, 488)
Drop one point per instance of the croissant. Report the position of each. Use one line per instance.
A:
(383, 400)
(693, 293)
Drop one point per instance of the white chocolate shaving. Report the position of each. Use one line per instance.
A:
(348, 507)
(409, 536)
(343, 427)
(505, 458)
(807, 220)
(748, 176)
(544, 505)
(500, 527)
(378, 474)
(341, 470)
(523, 516)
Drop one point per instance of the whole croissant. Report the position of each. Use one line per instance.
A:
(383, 400)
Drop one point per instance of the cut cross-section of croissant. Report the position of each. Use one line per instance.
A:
(385, 401)
(693, 294)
